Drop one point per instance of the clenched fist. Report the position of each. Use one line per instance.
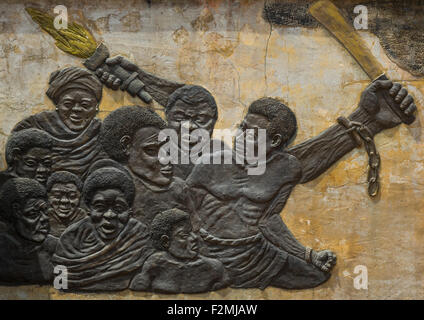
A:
(324, 260)
(379, 98)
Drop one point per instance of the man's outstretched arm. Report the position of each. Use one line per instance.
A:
(275, 230)
(321, 152)
(160, 89)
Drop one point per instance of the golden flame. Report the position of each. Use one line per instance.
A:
(75, 40)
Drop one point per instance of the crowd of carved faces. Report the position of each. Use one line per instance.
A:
(93, 198)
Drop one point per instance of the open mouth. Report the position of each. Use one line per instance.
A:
(63, 211)
(40, 178)
(108, 228)
(167, 171)
(44, 230)
(75, 119)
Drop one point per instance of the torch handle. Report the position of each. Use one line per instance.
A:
(129, 81)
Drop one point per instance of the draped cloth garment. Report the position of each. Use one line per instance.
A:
(95, 265)
(72, 151)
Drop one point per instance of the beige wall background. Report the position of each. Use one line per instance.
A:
(227, 47)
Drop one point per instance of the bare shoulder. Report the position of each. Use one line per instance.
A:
(158, 260)
(214, 264)
(293, 164)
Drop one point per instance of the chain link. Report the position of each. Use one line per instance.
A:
(361, 132)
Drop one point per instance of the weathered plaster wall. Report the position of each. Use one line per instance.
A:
(230, 49)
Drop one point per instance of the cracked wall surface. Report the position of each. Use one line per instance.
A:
(227, 47)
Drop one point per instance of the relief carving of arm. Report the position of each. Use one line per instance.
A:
(160, 89)
(277, 232)
(321, 152)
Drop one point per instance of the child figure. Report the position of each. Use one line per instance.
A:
(177, 267)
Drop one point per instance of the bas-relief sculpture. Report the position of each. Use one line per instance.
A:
(64, 195)
(92, 195)
(73, 127)
(26, 247)
(104, 250)
(130, 136)
(177, 261)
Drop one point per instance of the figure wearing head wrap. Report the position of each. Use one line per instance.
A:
(130, 135)
(103, 250)
(26, 247)
(73, 78)
(76, 93)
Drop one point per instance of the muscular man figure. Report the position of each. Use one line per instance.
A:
(238, 215)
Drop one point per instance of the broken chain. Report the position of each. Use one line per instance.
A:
(361, 133)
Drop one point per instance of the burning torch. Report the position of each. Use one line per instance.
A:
(78, 41)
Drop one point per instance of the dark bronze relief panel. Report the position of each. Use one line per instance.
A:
(96, 199)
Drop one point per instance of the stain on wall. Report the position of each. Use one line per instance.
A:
(397, 24)
(289, 13)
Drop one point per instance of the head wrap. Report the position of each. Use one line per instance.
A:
(73, 78)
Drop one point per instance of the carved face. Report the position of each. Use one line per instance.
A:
(255, 122)
(34, 164)
(64, 198)
(109, 212)
(183, 242)
(200, 116)
(76, 108)
(31, 220)
(143, 158)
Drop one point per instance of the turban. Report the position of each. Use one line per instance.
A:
(73, 78)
